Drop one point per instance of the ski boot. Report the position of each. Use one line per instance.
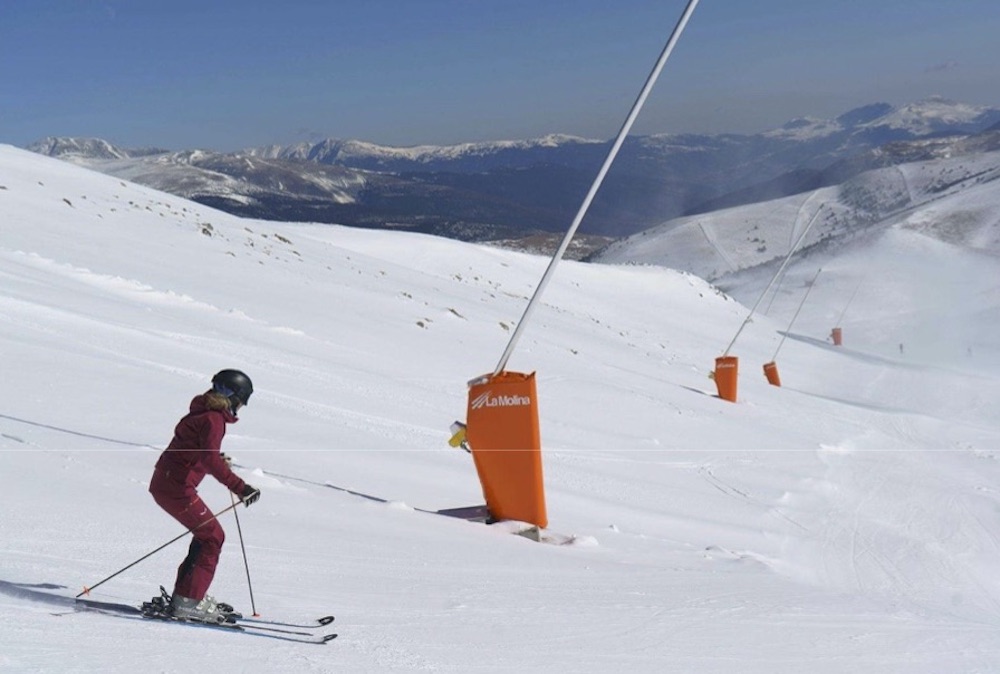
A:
(206, 610)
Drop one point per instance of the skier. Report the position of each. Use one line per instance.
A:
(194, 452)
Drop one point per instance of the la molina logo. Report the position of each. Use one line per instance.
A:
(487, 399)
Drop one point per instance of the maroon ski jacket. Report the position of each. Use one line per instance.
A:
(194, 452)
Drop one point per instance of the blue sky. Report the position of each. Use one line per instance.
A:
(227, 74)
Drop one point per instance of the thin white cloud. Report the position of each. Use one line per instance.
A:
(942, 67)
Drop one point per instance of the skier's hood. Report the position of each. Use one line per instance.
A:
(199, 404)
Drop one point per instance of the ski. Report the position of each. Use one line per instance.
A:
(158, 606)
(252, 630)
(273, 632)
(318, 622)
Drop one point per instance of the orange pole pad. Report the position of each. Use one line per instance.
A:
(771, 372)
(502, 432)
(838, 337)
(726, 373)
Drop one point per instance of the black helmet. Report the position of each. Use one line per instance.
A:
(233, 384)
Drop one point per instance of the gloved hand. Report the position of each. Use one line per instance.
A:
(250, 495)
(228, 459)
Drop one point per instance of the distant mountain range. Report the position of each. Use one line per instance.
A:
(514, 190)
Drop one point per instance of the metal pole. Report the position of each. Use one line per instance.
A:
(774, 278)
(853, 295)
(246, 565)
(636, 107)
(801, 304)
(774, 295)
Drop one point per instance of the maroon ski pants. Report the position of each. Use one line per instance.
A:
(194, 575)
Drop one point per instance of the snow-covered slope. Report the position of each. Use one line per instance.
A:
(954, 199)
(846, 521)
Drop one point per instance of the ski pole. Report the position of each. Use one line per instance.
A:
(246, 565)
(86, 590)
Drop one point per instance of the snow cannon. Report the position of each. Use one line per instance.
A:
(726, 372)
(771, 372)
(502, 435)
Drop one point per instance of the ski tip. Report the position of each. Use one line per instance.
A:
(326, 620)
(328, 638)
(86, 592)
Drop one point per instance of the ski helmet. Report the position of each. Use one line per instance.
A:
(233, 384)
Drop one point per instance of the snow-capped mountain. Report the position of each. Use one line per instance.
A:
(879, 122)
(936, 115)
(862, 127)
(514, 189)
(260, 184)
(933, 116)
(84, 149)
(469, 157)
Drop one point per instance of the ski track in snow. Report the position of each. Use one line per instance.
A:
(710, 237)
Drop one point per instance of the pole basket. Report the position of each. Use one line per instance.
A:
(502, 434)
(726, 372)
(837, 335)
(771, 372)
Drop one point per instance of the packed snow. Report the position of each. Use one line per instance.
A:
(848, 520)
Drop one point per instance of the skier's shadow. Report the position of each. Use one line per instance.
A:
(58, 604)
(34, 592)
(476, 513)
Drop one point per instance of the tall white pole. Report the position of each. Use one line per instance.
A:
(636, 107)
(774, 278)
(796, 315)
(853, 295)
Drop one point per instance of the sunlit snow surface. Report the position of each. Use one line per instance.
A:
(846, 521)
